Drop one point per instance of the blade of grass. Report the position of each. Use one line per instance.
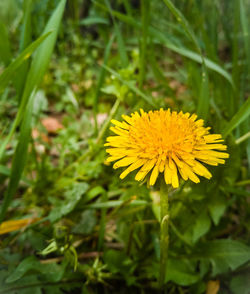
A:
(184, 23)
(145, 16)
(160, 37)
(24, 115)
(7, 76)
(245, 30)
(242, 114)
(203, 100)
(8, 73)
(102, 223)
(25, 40)
(19, 159)
(38, 66)
(5, 52)
(101, 78)
(147, 98)
(121, 46)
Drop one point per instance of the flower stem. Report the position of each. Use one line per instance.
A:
(164, 237)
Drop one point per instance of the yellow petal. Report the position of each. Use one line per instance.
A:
(125, 162)
(154, 176)
(167, 174)
(132, 167)
(201, 170)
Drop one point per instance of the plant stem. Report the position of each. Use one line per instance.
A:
(164, 237)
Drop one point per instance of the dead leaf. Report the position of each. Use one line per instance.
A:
(213, 287)
(52, 125)
(14, 225)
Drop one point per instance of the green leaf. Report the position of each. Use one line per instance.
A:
(50, 272)
(71, 197)
(201, 226)
(223, 254)
(240, 284)
(87, 223)
(217, 206)
(26, 265)
(242, 114)
(181, 272)
(118, 262)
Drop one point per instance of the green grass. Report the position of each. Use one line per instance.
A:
(83, 64)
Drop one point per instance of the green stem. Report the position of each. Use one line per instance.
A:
(164, 237)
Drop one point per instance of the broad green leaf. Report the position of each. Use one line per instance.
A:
(217, 205)
(28, 284)
(240, 283)
(87, 223)
(26, 265)
(181, 272)
(201, 226)
(117, 262)
(242, 114)
(71, 197)
(223, 254)
(51, 272)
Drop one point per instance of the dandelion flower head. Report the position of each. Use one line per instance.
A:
(161, 141)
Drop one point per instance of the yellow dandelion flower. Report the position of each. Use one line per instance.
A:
(162, 141)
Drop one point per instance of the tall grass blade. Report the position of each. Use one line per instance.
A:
(101, 77)
(25, 40)
(203, 101)
(182, 20)
(245, 30)
(145, 16)
(35, 75)
(8, 73)
(160, 37)
(5, 51)
(242, 114)
(19, 159)
(121, 45)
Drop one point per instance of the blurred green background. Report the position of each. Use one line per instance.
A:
(69, 224)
